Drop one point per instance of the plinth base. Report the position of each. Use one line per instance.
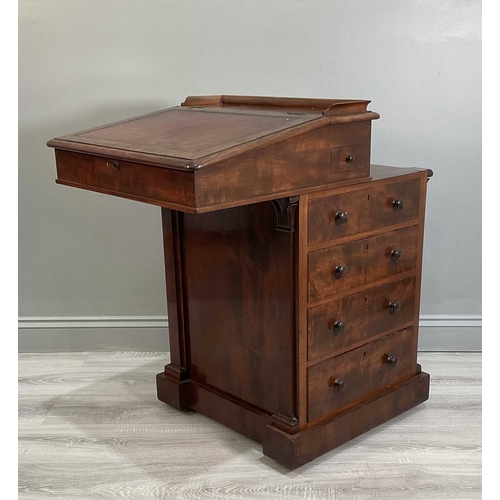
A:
(294, 450)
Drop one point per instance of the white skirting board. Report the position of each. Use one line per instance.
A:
(150, 333)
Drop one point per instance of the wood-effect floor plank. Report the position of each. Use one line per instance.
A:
(93, 429)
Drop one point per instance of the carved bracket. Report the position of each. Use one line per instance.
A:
(285, 209)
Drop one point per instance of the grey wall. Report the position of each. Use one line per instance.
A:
(84, 63)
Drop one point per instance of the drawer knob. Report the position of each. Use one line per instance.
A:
(398, 204)
(341, 217)
(394, 306)
(396, 255)
(339, 326)
(113, 165)
(392, 361)
(339, 384)
(349, 159)
(340, 271)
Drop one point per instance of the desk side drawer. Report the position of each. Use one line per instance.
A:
(348, 158)
(157, 185)
(355, 375)
(337, 270)
(345, 214)
(339, 324)
(327, 155)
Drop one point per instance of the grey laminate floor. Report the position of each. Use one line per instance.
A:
(91, 428)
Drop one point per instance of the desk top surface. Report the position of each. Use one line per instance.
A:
(195, 134)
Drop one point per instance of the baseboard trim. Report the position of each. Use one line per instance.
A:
(450, 320)
(45, 322)
(92, 333)
(450, 332)
(438, 332)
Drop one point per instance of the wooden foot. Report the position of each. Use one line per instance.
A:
(295, 450)
(173, 392)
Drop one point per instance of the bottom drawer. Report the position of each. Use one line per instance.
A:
(357, 374)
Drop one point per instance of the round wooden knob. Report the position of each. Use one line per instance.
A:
(392, 361)
(349, 159)
(394, 306)
(340, 271)
(341, 217)
(396, 255)
(339, 384)
(339, 326)
(398, 204)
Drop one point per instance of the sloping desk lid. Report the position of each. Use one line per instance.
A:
(206, 129)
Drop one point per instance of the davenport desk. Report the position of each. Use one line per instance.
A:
(292, 265)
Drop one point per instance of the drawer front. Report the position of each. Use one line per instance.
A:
(336, 270)
(358, 317)
(126, 179)
(348, 158)
(340, 215)
(308, 160)
(357, 374)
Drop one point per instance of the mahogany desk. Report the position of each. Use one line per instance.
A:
(293, 267)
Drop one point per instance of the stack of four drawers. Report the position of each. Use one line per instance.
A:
(364, 246)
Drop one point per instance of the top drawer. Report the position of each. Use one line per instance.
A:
(147, 183)
(336, 216)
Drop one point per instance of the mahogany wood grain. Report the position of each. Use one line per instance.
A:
(173, 392)
(170, 187)
(348, 158)
(366, 209)
(306, 105)
(290, 263)
(142, 199)
(176, 296)
(225, 155)
(190, 133)
(217, 241)
(362, 261)
(229, 411)
(340, 324)
(211, 128)
(281, 167)
(381, 172)
(292, 451)
(420, 253)
(301, 311)
(379, 175)
(239, 273)
(364, 370)
(185, 133)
